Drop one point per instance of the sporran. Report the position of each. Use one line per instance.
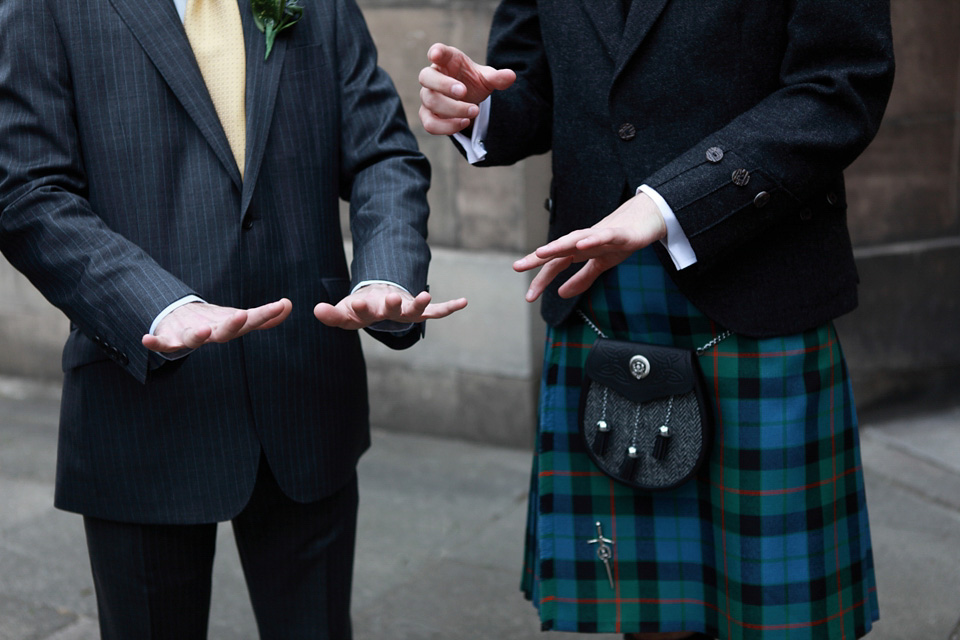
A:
(643, 416)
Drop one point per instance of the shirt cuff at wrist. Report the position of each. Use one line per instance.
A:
(473, 146)
(676, 242)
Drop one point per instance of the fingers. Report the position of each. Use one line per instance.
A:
(564, 247)
(437, 126)
(443, 309)
(441, 85)
(499, 79)
(442, 108)
(453, 74)
(268, 316)
(444, 96)
(443, 55)
(185, 338)
(545, 276)
(364, 309)
(452, 87)
(353, 312)
(333, 316)
(196, 324)
(154, 343)
(582, 280)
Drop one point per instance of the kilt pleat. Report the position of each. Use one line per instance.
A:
(771, 540)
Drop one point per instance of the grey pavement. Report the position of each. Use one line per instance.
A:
(440, 539)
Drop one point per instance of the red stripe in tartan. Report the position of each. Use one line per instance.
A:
(717, 485)
(723, 494)
(709, 605)
(572, 345)
(833, 456)
(775, 354)
(777, 492)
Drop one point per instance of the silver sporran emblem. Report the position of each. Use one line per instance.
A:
(639, 367)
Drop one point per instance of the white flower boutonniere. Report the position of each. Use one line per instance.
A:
(273, 16)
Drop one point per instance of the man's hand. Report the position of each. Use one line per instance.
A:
(197, 323)
(452, 87)
(378, 302)
(635, 224)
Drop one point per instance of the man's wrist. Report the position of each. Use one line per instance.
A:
(174, 355)
(387, 326)
(171, 308)
(675, 241)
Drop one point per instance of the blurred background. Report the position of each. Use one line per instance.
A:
(476, 375)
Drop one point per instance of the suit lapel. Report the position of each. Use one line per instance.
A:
(607, 19)
(263, 80)
(158, 29)
(643, 13)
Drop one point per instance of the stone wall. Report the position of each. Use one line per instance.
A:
(476, 375)
(902, 343)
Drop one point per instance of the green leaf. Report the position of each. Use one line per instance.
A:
(271, 34)
(273, 16)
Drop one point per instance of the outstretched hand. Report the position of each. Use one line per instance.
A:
(378, 302)
(452, 87)
(632, 226)
(198, 323)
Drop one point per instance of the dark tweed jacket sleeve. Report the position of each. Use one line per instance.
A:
(742, 114)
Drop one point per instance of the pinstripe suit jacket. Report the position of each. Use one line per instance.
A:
(784, 92)
(119, 195)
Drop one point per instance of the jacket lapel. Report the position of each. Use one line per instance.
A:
(607, 19)
(158, 29)
(263, 80)
(643, 13)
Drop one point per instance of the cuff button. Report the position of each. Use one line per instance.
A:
(740, 177)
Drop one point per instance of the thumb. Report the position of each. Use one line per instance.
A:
(498, 78)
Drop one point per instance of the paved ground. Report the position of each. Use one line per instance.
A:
(441, 536)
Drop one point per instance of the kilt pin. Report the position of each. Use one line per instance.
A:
(771, 540)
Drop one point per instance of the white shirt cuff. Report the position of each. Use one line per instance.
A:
(390, 326)
(176, 355)
(676, 242)
(473, 146)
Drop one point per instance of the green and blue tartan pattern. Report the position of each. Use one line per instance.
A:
(771, 541)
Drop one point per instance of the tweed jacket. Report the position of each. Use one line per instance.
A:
(119, 195)
(742, 114)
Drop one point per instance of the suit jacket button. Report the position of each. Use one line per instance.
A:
(740, 177)
(806, 213)
(548, 204)
(247, 223)
(832, 198)
(761, 200)
(627, 132)
(714, 154)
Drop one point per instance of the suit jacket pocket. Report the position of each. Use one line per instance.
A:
(306, 58)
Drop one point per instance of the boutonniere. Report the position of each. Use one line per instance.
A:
(273, 16)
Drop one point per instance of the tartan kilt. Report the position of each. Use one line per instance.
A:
(771, 540)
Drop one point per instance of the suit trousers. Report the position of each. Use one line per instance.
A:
(153, 581)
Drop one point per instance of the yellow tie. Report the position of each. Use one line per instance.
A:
(216, 35)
